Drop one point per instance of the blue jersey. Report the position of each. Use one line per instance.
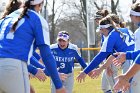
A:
(116, 42)
(113, 42)
(65, 57)
(133, 55)
(29, 31)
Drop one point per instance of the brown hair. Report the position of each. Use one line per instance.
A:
(12, 6)
(27, 6)
(117, 20)
(136, 7)
(24, 13)
(102, 13)
(109, 20)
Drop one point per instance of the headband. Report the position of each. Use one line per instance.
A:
(35, 2)
(134, 13)
(104, 26)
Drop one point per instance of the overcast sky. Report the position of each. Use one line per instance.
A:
(124, 7)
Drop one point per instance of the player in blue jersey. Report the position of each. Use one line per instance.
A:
(113, 72)
(37, 72)
(134, 70)
(34, 63)
(65, 53)
(35, 67)
(15, 48)
(116, 39)
(123, 80)
(107, 78)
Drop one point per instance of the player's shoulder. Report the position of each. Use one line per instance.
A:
(53, 46)
(73, 46)
(137, 31)
(16, 13)
(114, 32)
(34, 15)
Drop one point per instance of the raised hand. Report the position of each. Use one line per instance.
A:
(121, 57)
(81, 77)
(122, 84)
(95, 73)
(40, 75)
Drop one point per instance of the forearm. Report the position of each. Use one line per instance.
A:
(36, 63)
(50, 64)
(108, 62)
(33, 70)
(37, 56)
(132, 71)
(96, 61)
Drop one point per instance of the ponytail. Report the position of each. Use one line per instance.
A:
(122, 24)
(24, 13)
(12, 6)
(105, 12)
(116, 29)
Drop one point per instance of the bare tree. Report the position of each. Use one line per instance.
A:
(54, 17)
(83, 12)
(114, 6)
(134, 1)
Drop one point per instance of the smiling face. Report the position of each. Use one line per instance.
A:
(63, 39)
(63, 43)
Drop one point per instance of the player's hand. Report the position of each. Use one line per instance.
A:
(61, 90)
(109, 71)
(81, 77)
(122, 84)
(40, 75)
(90, 73)
(63, 76)
(95, 73)
(121, 57)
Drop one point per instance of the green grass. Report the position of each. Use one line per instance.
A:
(89, 86)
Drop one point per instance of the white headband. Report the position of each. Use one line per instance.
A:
(104, 26)
(35, 2)
(134, 13)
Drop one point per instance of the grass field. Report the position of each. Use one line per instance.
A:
(89, 86)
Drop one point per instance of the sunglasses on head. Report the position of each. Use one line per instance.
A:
(62, 35)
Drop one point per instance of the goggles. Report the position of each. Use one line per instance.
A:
(63, 36)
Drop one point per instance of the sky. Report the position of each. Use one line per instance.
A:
(124, 6)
